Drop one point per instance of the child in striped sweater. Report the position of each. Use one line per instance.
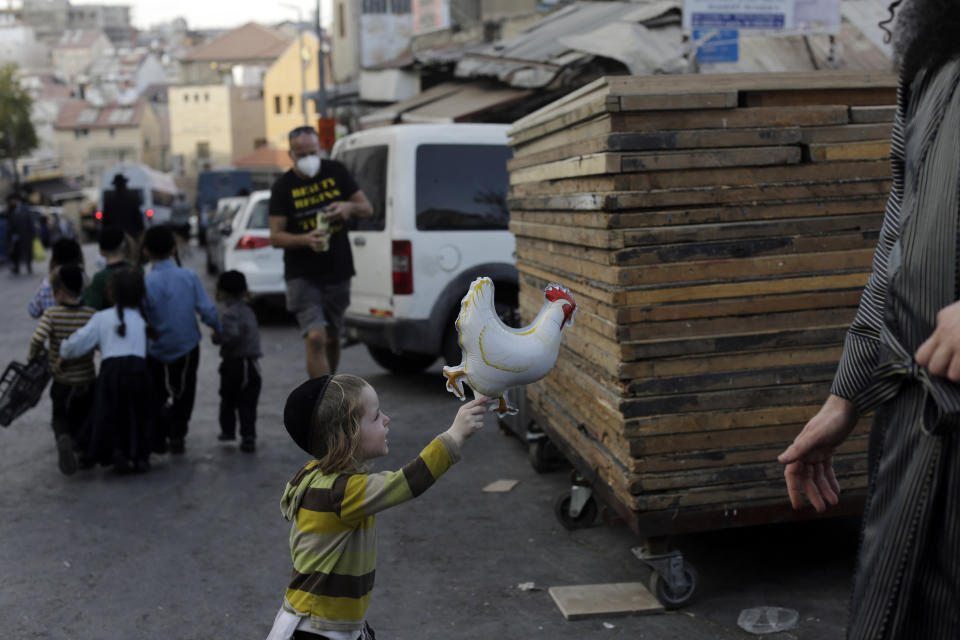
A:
(73, 378)
(333, 498)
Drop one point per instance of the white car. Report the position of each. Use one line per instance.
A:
(247, 248)
(218, 230)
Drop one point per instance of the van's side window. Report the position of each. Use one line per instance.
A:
(368, 166)
(462, 187)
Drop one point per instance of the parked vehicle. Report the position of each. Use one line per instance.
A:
(247, 249)
(155, 191)
(439, 194)
(213, 185)
(218, 229)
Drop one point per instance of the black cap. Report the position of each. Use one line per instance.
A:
(119, 179)
(301, 407)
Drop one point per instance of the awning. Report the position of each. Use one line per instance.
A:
(390, 114)
(55, 190)
(469, 100)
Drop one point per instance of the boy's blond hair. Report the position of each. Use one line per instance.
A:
(335, 426)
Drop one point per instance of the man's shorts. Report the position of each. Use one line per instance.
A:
(318, 306)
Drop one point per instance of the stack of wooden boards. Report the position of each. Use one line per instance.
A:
(716, 232)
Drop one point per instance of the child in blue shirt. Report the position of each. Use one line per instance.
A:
(174, 298)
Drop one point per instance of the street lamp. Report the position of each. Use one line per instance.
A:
(302, 55)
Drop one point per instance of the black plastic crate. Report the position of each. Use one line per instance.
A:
(21, 387)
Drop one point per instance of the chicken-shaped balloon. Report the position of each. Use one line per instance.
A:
(497, 357)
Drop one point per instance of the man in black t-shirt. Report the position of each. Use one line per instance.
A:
(317, 263)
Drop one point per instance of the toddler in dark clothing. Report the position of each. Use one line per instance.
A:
(239, 341)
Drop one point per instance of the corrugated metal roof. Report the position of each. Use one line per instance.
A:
(646, 38)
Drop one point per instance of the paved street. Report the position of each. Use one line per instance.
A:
(197, 548)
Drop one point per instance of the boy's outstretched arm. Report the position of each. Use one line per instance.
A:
(364, 495)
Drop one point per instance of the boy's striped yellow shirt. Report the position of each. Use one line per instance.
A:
(333, 538)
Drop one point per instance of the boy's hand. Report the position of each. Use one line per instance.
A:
(469, 420)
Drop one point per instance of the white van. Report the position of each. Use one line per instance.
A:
(439, 195)
(155, 190)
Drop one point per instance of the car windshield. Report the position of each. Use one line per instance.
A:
(461, 187)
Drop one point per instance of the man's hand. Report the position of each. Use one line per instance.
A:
(340, 210)
(469, 420)
(809, 460)
(940, 354)
(313, 240)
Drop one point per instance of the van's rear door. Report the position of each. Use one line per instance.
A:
(372, 288)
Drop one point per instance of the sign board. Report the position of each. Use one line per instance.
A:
(720, 45)
(784, 16)
(762, 15)
(817, 16)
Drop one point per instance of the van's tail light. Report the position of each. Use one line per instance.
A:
(402, 267)
(149, 213)
(98, 215)
(252, 242)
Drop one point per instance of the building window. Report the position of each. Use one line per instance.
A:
(400, 7)
(341, 20)
(259, 142)
(374, 6)
(289, 104)
(113, 132)
(277, 106)
(203, 150)
(206, 97)
(186, 97)
(196, 97)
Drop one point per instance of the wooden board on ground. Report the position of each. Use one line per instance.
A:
(594, 600)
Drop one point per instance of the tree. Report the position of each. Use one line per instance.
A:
(17, 135)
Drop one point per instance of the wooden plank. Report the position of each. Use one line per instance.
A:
(595, 105)
(679, 218)
(603, 163)
(770, 176)
(719, 270)
(847, 133)
(845, 96)
(817, 318)
(872, 114)
(664, 141)
(703, 196)
(604, 600)
(653, 121)
(770, 396)
(830, 152)
(864, 237)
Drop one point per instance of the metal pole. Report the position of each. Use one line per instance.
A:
(321, 63)
(303, 75)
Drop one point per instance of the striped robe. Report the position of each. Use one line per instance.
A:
(56, 325)
(333, 539)
(907, 581)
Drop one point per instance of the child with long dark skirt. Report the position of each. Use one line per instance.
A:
(121, 424)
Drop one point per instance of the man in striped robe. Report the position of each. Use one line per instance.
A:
(902, 359)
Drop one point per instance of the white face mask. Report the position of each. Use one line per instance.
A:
(309, 165)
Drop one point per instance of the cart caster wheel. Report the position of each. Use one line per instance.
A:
(586, 517)
(669, 598)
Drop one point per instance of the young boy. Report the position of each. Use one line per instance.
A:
(72, 387)
(65, 251)
(174, 297)
(239, 350)
(114, 250)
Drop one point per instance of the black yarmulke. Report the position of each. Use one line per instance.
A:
(301, 406)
